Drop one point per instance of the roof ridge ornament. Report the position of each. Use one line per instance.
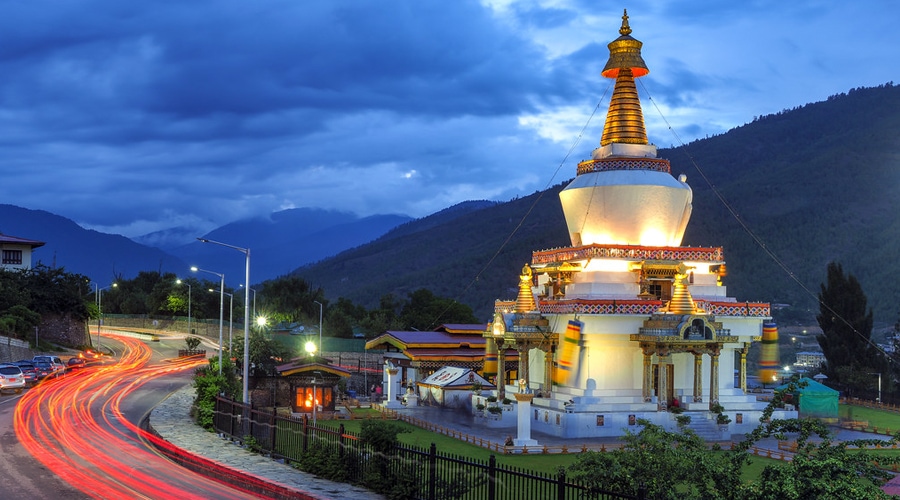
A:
(625, 29)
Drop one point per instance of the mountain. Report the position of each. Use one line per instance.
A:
(283, 242)
(99, 256)
(783, 195)
(279, 244)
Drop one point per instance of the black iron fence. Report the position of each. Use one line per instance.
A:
(422, 473)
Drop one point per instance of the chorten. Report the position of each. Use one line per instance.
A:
(626, 322)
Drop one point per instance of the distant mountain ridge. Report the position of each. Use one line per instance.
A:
(99, 256)
(279, 244)
(814, 184)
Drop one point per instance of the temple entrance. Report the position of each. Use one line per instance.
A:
(670, 382)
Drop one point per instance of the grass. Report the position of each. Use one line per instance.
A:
(881, 419)
(540, 462)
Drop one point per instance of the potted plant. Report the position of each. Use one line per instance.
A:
(507, 404)
(683, 420)
(495, 411)
(492, 399)
(723, 419)
(476, 388)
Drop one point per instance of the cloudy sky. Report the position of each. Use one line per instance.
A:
(131, 117)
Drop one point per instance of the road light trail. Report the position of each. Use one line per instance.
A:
(76, 427)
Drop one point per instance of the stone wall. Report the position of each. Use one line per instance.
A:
(63, 330)
(14, 350)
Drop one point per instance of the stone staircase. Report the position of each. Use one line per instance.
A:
(704, 427)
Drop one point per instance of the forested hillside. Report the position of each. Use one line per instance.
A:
(814, 184)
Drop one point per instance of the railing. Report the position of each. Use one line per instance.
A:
(426, 473)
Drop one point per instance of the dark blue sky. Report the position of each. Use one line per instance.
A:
(131, 117)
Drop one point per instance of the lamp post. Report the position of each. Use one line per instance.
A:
(311, 349)
(246, 368)
(221, 308)
(230, 321)
(879, 385)
(190, 332)
(99, 292)
(320, 324)
(254, 299)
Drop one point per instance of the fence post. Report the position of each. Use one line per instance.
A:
(642, 492)
(432, 472)
(561, 484)
(272, 434)
(341, 441)
(492, 477)
(305, 433)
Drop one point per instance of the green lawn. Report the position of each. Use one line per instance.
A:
(881, 419)
(540, 462)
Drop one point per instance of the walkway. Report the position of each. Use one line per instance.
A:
(171, 421)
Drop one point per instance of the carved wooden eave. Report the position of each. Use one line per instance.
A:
(675, 340)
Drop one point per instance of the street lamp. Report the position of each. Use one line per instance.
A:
(190, 332)
(246, 252)
(879, 385)
(311, 349)
(221, 308)
(320, 324)
(254, 299)
(230, 321)
(99, 292)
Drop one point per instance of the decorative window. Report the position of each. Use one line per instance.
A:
(12, 256)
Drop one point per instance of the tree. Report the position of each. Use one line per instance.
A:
(679, 465)
(846, 324)
(426, 311)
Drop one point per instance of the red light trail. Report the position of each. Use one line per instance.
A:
(76, 427)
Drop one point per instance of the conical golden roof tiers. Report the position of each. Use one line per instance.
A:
(625, 119)
(525, 300)
(682, 302)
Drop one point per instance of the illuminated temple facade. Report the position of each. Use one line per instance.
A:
(626, 322)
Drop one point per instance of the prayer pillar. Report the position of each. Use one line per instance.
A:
(523, 419)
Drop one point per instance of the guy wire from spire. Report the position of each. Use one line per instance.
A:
(682, 146)
(531, 208)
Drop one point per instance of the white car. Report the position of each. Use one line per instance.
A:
(58, 366)
(11, 378)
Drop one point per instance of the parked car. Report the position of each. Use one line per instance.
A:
(44, 370)
(11, 378)
(59, 367)
(29, 371)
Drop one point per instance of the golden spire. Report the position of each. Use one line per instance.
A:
(525, 300)
(624, 120)
(682, 302)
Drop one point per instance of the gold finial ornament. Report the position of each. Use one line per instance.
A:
(625, 29)
(625, 52)
(625, 119)
(525, 300)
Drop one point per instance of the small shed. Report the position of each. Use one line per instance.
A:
(814, 399)
(451, 386)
